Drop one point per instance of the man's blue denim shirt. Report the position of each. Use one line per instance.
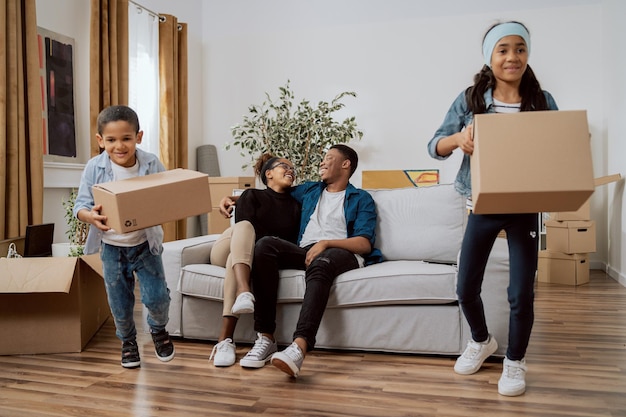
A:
(457, 118)
(359, 209)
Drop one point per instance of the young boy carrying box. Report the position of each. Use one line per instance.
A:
(124, 255)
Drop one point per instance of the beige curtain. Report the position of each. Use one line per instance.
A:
(173, 104)
(21, 133)
(108, 59)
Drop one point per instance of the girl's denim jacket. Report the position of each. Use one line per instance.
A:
(98, 170)
(457, 118)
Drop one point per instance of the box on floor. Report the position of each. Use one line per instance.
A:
(562, 268)
(150, 200)
(50, 305)
(531, 162)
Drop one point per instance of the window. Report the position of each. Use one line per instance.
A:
(143, 67)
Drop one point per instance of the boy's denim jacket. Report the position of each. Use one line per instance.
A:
(457, 118)
(98, 170)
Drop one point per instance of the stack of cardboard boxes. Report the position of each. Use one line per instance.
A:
(224, 187)
(570, 238)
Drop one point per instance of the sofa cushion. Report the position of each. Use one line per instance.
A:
(420, 223)
(395, 282)
(387, 283)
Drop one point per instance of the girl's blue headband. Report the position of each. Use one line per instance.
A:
(499, 32)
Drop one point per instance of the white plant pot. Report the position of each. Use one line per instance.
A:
(61, 249)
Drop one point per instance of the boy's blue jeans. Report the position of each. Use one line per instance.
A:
(120, 265)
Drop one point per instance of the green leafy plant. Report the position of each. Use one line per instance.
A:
(301, 134)
(76, 230)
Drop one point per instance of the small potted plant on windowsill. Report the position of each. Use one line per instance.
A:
(76, 231)
(302, 134)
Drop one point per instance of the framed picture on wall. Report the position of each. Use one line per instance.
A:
(56, 71)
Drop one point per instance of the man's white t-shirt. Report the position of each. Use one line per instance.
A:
(328, 221)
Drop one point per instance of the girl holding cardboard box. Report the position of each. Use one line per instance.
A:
(505, 84)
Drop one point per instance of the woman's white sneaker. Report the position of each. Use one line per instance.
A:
(244, 304)
(513, 380)
(474, 355)
(224, 353)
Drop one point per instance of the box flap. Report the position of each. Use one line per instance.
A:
(607, 179)
(94, 262)
(28, 275)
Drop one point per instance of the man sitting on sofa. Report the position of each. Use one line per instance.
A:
(337, 234)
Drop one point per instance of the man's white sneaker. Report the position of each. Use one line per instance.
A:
(244, 304)
(513, 379)
(289, 360)
(260, 354)
(224, 353)
(474, 355)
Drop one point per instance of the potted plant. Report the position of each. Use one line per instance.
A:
(301, 134)
(76, 230)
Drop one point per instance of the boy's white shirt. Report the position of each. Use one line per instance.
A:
(129, 239)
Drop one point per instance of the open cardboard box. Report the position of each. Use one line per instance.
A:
(150, 200)
(531, 162)
(50, 305)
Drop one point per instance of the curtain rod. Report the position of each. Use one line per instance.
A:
(161, 18)
(145, 8)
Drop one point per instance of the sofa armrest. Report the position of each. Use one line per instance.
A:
(177, 254)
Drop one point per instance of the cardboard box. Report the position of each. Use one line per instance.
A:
(584, 212)
(386, 179)
(561, 268)
(531, 162)
(217, 223)
(223, 187)
(577, 236)
(50, 305)
(150, 200)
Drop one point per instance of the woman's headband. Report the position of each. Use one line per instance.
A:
(499, 32)
(267, 166)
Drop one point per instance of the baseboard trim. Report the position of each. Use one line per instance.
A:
(613, 273)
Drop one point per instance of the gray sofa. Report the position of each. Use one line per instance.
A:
(405, 304)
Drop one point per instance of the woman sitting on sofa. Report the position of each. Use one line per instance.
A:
(259, 213)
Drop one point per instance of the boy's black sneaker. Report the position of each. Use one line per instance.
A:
(130, 355)
(163, 346)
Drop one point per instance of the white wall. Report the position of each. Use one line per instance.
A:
(615, 96)
(60, 177)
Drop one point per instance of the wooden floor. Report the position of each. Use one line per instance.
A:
(577, 367)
